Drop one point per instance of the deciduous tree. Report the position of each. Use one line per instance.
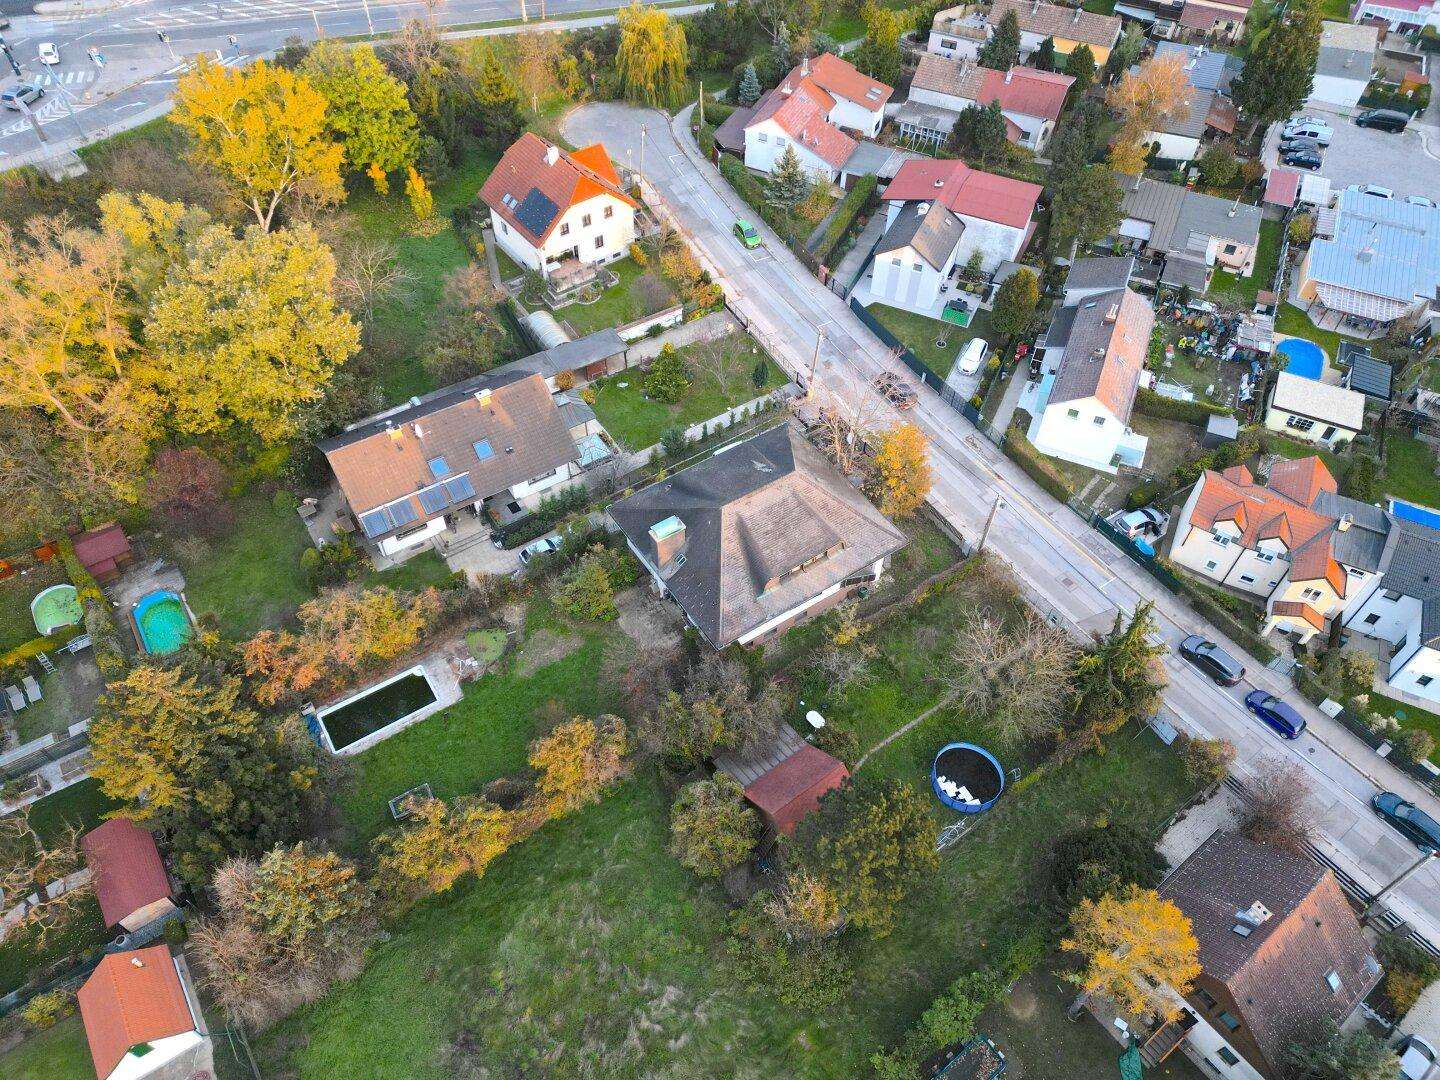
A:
(1154, 94)
(1130, 944)
(439, 843)
(366, 107)
(879, 54)
(712, 828)
(188, 488)
(653, 57)
(1016, 676)
(586, 591)
(902, 464)
(577, 761)
(1330, 1054)
(870, 841)
(540, 62)
(30, 865)
(1277, 810)
(246, 332)
(262, 128)
(1279, 70)
(417, 191)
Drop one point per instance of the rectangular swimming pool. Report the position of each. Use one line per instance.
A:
(375, 709)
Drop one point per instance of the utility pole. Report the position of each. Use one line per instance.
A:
(524, 15)
(985, 532)
(315, 14)
(814, 363)
(366, 5)
(10, 56)
(1405, 875)
(642, 149)
(702, 104)
(165, 40)
(34, 120)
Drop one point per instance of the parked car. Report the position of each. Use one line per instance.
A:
(1420, 200)
(1309, 128)
(1302, 159)
(1405, 817)
(546, 545)
(1212, 660)
(1417, 1057)
(48, 54)
(1391, 120)
(1299, 142)
(747, 234)
(1375, 190)
(12, 97)
(1147, 521)
(896, 390)
(1275, 713)
(973, 356)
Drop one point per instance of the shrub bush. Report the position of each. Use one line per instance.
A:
(851, 206)
(46, 1010)
(1190, 412)
(545, 516)
(1019, 450)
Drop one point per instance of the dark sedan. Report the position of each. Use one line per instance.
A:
(1406, 817)
(1301, 159)
(1281, 717)
(1213, 660)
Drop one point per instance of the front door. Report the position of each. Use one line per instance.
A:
(1328, 434)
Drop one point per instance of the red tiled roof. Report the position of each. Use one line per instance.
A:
(802, 116)
(127, 868)
(1302, 479)
(966, 191)
(1222, 116)
(102, 548)
(132, 998)
(524, 169)
(1297, 609)
(839, 78)
(1281, 187)
(1026, 90)
(792, 789)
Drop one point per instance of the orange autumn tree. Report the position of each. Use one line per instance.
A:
(902, 465)
(1154, 94)
(577, 761)
(342, 632)
(440, 842)
(1130, 944)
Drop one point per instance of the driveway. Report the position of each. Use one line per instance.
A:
(1065, 567)
(1408, 163)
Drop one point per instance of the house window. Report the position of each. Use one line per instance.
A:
(1264, 556)
(1299, 423)
(949, 43)
(1332, 980)
(585, 222)
(1099, 421)
(1229, 249)
(1391, 595)
(779, 142)
(504, 228)
(438, 467)
(1227, 1055)
(565, 229)
(1211, 565)
(483, 449)
(599, 242)
(1248, 579)
(1310, 594)
(1371, 619)
(1223, 541)
(1231, 1024)
(895, 261)
(1072, 413)
(916, 268)
(763, 137)
(1205, 998)
(609, 211)
(1424, 680)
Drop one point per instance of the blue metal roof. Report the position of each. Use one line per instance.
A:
(1383, 247)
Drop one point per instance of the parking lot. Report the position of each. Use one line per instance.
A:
(1408, 163)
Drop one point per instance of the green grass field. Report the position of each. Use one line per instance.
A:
(1290, 321)
(921, 334)
(83, 805)
(17, 625)
(640, 291)
(1410, 470)
(58, 1054)
(637, 421)
(1410, 716)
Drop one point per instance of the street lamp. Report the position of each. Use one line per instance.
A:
(1405, 875)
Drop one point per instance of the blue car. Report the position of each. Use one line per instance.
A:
(1286, 721)
(1406, 817)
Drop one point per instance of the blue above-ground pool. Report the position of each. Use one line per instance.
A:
(162, 622)
(1302, 357)
(1421, 515)
(966, 777)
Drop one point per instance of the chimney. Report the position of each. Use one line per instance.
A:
(1112, 314)
(1345, 522)
(1076, 17)
(923, 209)
(668, 536)
(1009, 75)
(939, 183)
(1255, 914)
(135, 961)
(419, 431)
(552, 155)
(483, 397)
(1035, 8)
(805, 66)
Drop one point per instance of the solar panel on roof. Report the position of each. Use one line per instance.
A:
(434, 499)
(536, 211)
(459, 488)
(375, 523)
(402, 513)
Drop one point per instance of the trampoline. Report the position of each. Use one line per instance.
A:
(1302, 357)
(56, 608)
(966, 778)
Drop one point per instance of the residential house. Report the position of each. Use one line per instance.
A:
(1178, 139)
(1162, 15)
(1067, 27)
(785, 780)
(1281, 954)
(128, 874)
(104, 551)
(938, 214)
(1030, 100)
(413, 474)
(958, 31)
(1365, 373)
(822, 109)
(1219, 20)
(551, 208)
(1373, 260)
(1082, 407)
(1313, 411)
(1343, 66)
(1397, 16)
(142, 1018)
(1205, 67)
(1189, 232)
(1402, 608)
(757, 538)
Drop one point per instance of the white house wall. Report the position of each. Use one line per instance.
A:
(1419, 674)
(1079, 438)
(1175, 147)
(603, 240)
(903, 279)
(1277, 419)
(996, 243)
(1253, 573)
(950, 46)
(1204, 1043)
(856, 117)
(1392, 619)
(513, 244)
(394, 544)
(765, 143)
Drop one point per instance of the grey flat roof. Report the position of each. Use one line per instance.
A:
(1370, 376)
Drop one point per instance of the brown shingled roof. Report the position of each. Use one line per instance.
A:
(840, 78)
(1298, 609)
(802, 116)
(524, 171)
(1106, 351)
(1052, 20)
(132, 998)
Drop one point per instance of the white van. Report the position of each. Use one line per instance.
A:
(973, 356)
(1311, 129)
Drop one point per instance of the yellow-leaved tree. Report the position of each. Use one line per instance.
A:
(653, 55)
(1147, 98)
(902, 464)
(1131, 945)
(577, 761)
(264, 129)
(441, 842)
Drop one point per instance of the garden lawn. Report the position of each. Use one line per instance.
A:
(83, 805)
(637, 421)
(1294, 448)
(22, 956)
(58, 1054)
(1410, 716)
(1241, 291)
(461, 749)
(1290, 321)
(920, 333)
(55, 711)
(17, 625)
(1410, 470)
(640, 291)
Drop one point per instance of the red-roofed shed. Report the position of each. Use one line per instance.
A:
(104, 551)
(1281, 187)
(130, 880)
(792, 789)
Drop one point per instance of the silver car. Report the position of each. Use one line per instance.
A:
(13, 97)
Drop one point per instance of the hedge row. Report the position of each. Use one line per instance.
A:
(1190, 412)
(100, 621)
(851, 206)
(1019, 450)
(548, 514)
(35, 646)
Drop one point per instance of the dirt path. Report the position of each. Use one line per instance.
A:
(948, 699)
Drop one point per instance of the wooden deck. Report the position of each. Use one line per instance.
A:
(746, 770)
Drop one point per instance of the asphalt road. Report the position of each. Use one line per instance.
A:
(1067, 568)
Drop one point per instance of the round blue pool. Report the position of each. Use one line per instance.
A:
(1302, 357)
(966, 777)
